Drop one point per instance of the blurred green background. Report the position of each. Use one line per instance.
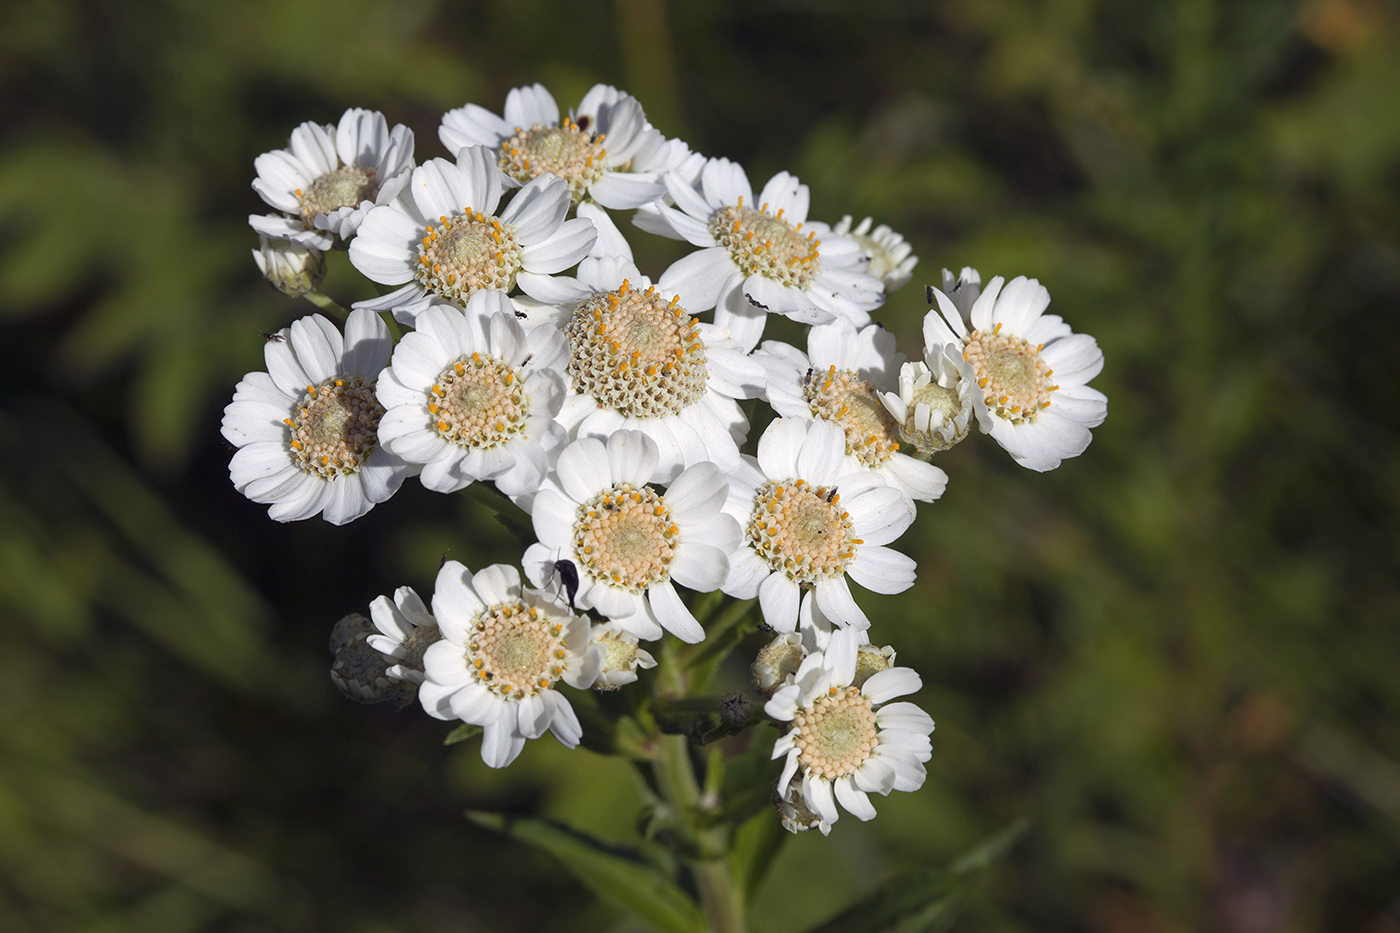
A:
(1176, 655)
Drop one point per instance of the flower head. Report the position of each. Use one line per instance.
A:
(846, 742)
(504, 650)
(406, 630)
(891, 258)
(328, 177)
(630, 543)
(292, 269)
(1031, 371)
(307, 430)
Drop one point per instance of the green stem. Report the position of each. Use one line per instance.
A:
(720, 898)
(326, 303)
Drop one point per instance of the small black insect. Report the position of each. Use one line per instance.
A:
(443, 563)
(583, 121)
(568, 578)
(520, 314)
(274, 338)
(831, 495)
(526, 362)
(928, 291)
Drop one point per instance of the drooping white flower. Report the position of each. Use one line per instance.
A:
(443, 239)
(1030, 369)
(761, 256)
(504, 650)
(933, 407)
(630, 543)
(638, 361)
(622, 657)
(606, 150)
(808, 524)
(473, 396)
(292, 269)
(891, 258)
(406, 630)
(328, 177)
(846, 742)
(838, 380)
(307, 429)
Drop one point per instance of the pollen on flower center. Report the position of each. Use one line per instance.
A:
(516, 650)
(336, 426)
(636, 353)
(1014, 380)
(478, 402)
(844, 398)
(567, 151)
(625, 537)
(836, 734)
(347, 186)
(801, 530)
(763, 242)
(469, 251)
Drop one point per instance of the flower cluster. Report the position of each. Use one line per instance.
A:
(541, 360)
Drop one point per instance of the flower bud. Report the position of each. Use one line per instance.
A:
(291, 268)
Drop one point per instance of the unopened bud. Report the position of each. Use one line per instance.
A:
(291, 268)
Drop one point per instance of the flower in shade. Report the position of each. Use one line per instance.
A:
(406, 630)
(504, 650)
(808, 524)
(442, 238)
(845, 742)
(605, 150)
(891, 258)
(292, 269)
(761, 255)
(473, 396)
(307, 430)
(838, 380)
(1031, 371)
(933, 407)
(328, 177)
(630, 543)
(622, 657)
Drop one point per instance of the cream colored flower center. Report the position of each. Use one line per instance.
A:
(836, 734)
(637, 354)
(619, 656)
(336, 426)
(347, 186)
(567, 151)
(625, 537)
(1014, 380)
(801, 530)
(479, 402)
(763, 242)
(516, 650)
(844, 398)
(469, 251)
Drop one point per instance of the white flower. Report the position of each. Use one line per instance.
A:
(933, 407)
(622, 656)
(473, 396)
(631, 544)
(891, 259)
(307, 429)
(847, 741)
(606, 149)
(406, 630)
(329, 177)
(1031, 371)
(840, 383)
(756, 257)
(638, 361)
(962, 289)
(442, 237)
(292, 269)
(808, 524)
(504, 649)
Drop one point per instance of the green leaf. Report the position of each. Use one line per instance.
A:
(927, 901)
(616, 874)
(461, 734)
(721, 637)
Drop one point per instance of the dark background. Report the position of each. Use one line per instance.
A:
(1176, 654)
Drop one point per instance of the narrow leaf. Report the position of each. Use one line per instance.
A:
(461, 734)
(616, 874)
